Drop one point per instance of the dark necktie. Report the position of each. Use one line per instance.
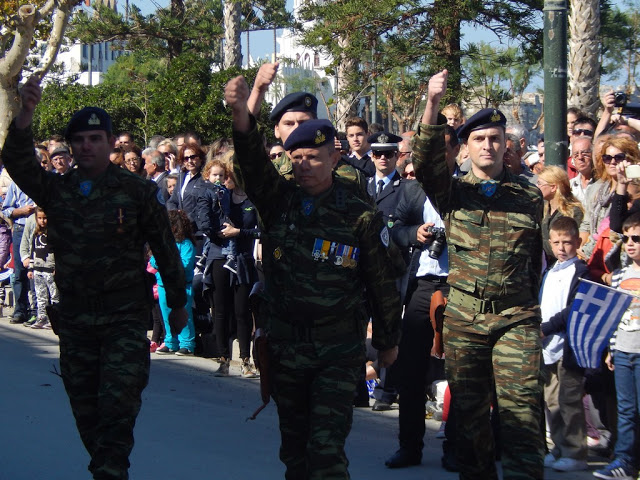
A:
(380, 187)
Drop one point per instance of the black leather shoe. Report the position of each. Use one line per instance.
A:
(404, 458)
(380, 406)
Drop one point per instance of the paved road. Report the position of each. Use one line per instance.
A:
(192, 424)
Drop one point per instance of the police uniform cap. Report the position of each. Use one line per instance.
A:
(60, 151)
(311, 134)
(89, 118)
(295, 102)
(384, 141)
(485, 118)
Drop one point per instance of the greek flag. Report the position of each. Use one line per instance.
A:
(594, 316)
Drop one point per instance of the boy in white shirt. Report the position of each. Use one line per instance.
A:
(564, 379)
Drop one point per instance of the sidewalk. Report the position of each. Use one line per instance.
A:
(192, 424)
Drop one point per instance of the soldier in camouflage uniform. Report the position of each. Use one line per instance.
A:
(492, 319)
(100, 217)
(322, 246)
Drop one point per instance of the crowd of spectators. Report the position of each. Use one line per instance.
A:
(217, 228)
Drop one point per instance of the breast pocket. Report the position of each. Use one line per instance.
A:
(465, 228)
(521, 232)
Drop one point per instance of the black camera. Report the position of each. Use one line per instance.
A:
(621, 101)
(439, 241)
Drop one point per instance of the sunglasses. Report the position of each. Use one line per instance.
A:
(409, 174)
(634, 238)
(379, 154)
(582, 131)
(186, 158)
(273, 156)
(618, 157)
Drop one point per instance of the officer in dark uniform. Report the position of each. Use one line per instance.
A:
(322, 246)
(386, 186)
(100, 217)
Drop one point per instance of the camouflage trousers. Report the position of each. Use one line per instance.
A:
(105, 368)
(510, 357)
(314, 387)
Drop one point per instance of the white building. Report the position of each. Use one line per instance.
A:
(302, 69)
(87, 62)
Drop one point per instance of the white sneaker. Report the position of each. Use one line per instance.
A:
(549, 460)
(566, 464)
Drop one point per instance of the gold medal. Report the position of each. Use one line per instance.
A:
(277, 253)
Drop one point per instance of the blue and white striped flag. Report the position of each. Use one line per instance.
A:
(594, 316)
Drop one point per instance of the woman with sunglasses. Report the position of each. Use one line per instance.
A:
(190, 186)
(610, 152)
(627, 184)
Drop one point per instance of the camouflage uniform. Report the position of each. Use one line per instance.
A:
(492, 318)
(98, 238)
(319, 253)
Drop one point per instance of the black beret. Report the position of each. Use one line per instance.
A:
(60, 151)
(89, 118)
(311, 134)
(384, 141)
(295, 102)
(485, 118)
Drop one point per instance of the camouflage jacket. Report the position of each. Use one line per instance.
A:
(494, 242)
(319, 255)
(98, 239)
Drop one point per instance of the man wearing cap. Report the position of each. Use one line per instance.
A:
(61, 159)
(322, 246)
(385, 187)
(99, 218)
(492, 319)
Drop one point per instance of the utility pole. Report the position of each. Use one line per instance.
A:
(555, 82)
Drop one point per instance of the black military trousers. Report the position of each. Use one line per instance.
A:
(410, 369)
(105, 368)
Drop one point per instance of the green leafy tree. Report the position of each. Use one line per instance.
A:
(21, 25)
(417, 35)
(184, 96)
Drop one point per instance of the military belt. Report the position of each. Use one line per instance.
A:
(480, 305)
(305, 331)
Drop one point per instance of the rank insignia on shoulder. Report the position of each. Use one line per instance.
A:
(488, 187)
(384, 236)
(277, 253)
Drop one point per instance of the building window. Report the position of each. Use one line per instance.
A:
(316, 60)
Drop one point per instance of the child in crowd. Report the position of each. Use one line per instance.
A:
(218, 175)
(41, 269)
(624, 360)
(564, 379)
(185, 342)
(172, 181)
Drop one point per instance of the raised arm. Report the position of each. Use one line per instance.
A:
(264, 78)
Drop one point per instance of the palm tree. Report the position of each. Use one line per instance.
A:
(232, 50)
(584, 55)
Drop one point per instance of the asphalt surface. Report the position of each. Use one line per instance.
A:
(192, 424)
